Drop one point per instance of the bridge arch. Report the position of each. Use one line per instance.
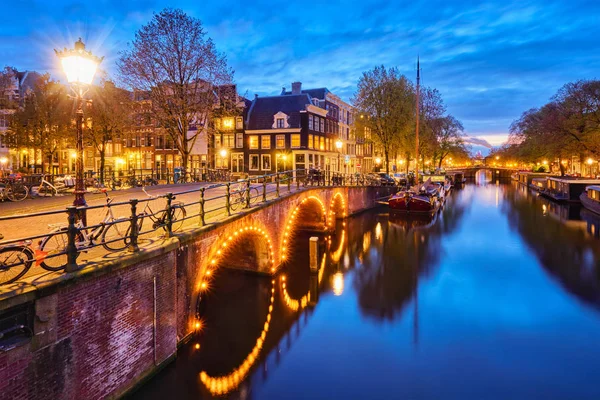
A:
(337, 208)
(309, 214)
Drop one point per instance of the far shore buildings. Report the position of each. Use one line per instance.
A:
(298, 129)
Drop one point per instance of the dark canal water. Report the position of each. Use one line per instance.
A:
(499, 298)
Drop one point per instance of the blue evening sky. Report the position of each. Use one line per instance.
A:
(491, 60)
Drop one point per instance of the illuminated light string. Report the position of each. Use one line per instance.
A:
(220, 385)
(290, 224)
(294, 304)
(221, 247)
(331, 213)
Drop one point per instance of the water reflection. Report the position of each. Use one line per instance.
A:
(460, 306)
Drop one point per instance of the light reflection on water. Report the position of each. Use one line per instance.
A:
(497, 298)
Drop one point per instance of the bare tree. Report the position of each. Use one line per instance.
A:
(108, 118)
(173, 59)
(385, 103)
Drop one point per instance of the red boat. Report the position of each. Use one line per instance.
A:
(426, 200)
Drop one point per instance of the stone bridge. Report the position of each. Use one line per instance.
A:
(100, 331)
(497, 173)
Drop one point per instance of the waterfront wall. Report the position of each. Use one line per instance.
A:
(102, 330)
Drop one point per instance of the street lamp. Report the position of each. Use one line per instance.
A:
(223, 154)
(3, 162)
(80, 67)
(338, 146)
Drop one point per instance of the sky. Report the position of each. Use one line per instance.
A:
(490, 60)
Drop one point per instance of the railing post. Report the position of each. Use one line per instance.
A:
(264, 193)
(228, 198)
(277, 184)
(133, 227)
(289, 182)
(202, 222)
(169, 210)
(71, 245)
(297, 181)
(247, 190)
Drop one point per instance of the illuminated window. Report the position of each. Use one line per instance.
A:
(295, 140)
(239, 123)
(227, 124)
(228, 140)
(265, 141)
(253, 141)
(239, 140)
(310, 141)
(280, 141)
(322, 143)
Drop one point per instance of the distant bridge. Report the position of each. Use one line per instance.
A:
(498, 173)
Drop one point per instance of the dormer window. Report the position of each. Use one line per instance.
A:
(280, 121)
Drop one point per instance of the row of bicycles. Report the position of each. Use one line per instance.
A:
(112, 233)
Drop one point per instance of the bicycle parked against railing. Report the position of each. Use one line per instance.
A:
(13, 190)
(15, 260)
(237, 198)
(159, 220)
(111, 233)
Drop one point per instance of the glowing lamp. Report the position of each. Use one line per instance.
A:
(339, 144)
(228, 123)
(3, 160)
(590, 161)
(79, 64)
(223, 153)
(378, 161)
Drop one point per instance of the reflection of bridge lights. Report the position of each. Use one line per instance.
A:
(338, 283)
(224, 384)
(544, 209)
(378, 231)
(336, 255)
(366, 241)
(197, 346)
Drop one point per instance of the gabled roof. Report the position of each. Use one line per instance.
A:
(263, 109)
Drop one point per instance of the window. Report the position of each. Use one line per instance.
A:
(322, 125)
(295, 140)
(280, 141)
(280, 122)
(227, 124)
(239, 123)
(239, 140)
(237, 162)
(228, 140)
(310, 141)
(322, 143)
(218, 141)
(266, 162)
(253, 141)
(254, 162)
(265, 142)
(310, 122)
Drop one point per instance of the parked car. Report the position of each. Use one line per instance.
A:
(400, 179)
(381, 179)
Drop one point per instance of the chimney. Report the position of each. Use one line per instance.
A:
(283, 90)
(296, 87)
(256, 96)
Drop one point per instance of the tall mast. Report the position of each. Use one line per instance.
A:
(417, 127)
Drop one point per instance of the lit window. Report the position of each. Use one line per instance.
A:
(227, 124)
(295, 140)
(228, 140)
(265, 141)
(266, 162)
(310, 141)
(280, 122)
(322, 143)
(239, 124)
(253, 141)
(280, 141)
(254, 162)
(239, 140)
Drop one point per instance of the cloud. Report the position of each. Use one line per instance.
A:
(477, 142)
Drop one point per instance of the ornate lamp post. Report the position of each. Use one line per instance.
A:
(338, 146)
(80, 67)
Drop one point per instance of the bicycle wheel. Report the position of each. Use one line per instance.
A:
(56, 243)
(114, 237)
(15, 261)
(254, 194)
(17, 192)
(236, 202)
(177, 218)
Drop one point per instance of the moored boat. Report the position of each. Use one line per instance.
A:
(538, 184)
(426, 199)
(590, 198)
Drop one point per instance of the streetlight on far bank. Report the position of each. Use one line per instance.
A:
(80, 66)
(338, 146)
(223, 154)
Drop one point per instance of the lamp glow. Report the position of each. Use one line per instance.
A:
(339, 144)
(79, 64)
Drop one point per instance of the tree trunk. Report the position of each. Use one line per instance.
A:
(102, 164)
(387, 162)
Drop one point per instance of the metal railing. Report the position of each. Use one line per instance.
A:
(208, 204)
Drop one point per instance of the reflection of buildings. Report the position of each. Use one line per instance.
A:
(573, 263)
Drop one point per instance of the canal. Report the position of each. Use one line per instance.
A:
(499, 297)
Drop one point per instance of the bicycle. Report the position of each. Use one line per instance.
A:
(110, 231)
(13, 190)
(237, 199)
(46, 188)
(178, 215)
(15, 260)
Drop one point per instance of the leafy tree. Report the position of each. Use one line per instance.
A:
(172, 58)
(385, 102)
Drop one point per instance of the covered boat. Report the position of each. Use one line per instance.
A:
(424, 199)
(590, 198)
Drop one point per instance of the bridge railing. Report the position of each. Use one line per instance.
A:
(117, 226)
